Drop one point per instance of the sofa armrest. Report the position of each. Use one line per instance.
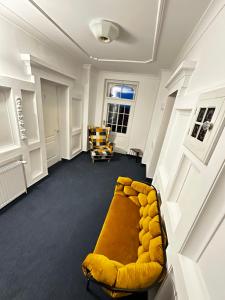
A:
(115, 274)
(101, 268)
(138, 275)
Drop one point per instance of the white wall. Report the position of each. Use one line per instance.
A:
(150, 146)
(89, 82)
(192, 192)
(50, 63)
(145, 101)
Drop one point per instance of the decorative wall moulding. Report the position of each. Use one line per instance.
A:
(184, 69)
(207, 125)
(158, 25)
(20, 117)
(32, 61)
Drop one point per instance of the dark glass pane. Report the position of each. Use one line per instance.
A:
(113, 128)
(115, 91)
(195, 130)
(120, 119)
(209, 114)
(112, 118)
(119, 128)
(127, 92)
(108, 125)
(121, 108)
(124, 129)
(201, 135)
(201, 114)
(127, 109)
(113, 107)
(125, 120)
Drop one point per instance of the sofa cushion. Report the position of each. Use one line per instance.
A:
(119, 238)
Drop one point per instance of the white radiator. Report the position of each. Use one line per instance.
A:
(12, 182)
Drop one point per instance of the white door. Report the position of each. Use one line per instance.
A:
(51, 122)
(118, 113)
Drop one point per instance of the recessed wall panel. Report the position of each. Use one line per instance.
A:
(76, 113)
(6, 135)
(76, 143)
(35, 163)
(30, 115)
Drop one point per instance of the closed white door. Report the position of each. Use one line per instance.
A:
(51, 122)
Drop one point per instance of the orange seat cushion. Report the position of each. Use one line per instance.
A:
(119, 237)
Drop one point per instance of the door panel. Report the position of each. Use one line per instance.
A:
(118, 116)
(51, 122)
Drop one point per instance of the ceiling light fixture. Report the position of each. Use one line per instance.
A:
(104, 30)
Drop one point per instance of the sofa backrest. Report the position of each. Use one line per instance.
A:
(151, 235)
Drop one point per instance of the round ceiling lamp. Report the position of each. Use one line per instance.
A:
(104, 31)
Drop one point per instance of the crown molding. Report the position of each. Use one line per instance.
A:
(185, 69)
(159, 19)
(32, 61)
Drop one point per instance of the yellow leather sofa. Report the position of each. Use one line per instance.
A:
(129, 255)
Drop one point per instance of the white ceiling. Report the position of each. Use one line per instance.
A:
(138, 21)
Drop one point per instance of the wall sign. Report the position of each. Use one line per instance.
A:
(20, 117)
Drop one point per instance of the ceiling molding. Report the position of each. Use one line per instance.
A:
(159, 19)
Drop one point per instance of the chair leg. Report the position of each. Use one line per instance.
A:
(88, 285)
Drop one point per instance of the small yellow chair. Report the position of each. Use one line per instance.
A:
(129, 255)
(101, 147)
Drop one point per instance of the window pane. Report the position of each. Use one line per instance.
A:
(121, 110)
(201, 114)
(115, 91)
(120, 91)
(201, 135)
(195, 130)
(124, 129)
(112, 118)
(119, 128)
(127, 109)
(113, 107)
(127, 92)
(125, 120)
(209, 114)
(120, 120)
(113, 128)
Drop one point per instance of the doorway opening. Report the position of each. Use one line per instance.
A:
(54, 103)
(167, 111)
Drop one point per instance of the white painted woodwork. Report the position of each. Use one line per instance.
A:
(193, 196)
(30, 116)
(12, 182)
(51, 121)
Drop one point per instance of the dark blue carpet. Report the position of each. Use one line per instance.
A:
(45, 235)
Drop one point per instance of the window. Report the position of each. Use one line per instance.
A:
(121, 91)
(204, 118)
(117, 117)
(206, 125)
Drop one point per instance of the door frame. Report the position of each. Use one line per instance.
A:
(107, 100)
(61, 92)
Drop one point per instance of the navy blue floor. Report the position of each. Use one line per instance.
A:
(45, 235)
